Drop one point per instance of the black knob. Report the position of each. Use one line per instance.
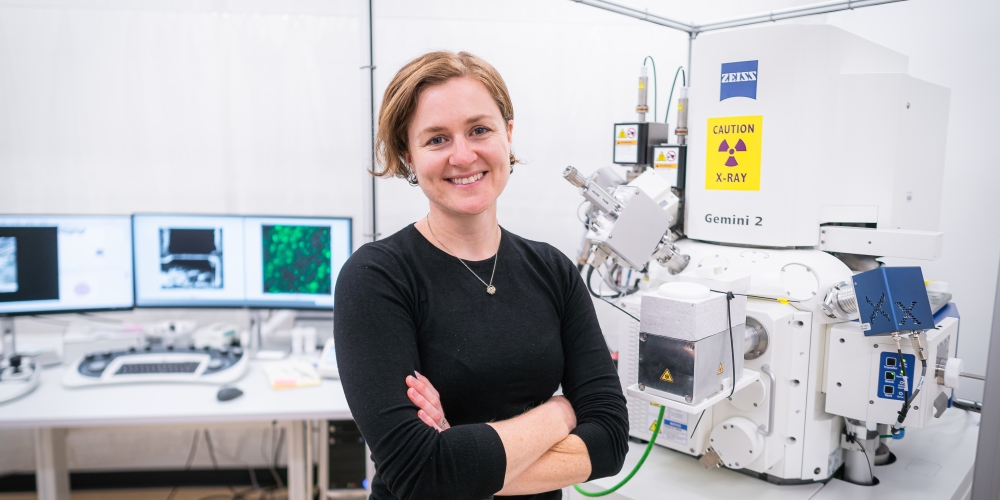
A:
(207, 348)
(191, 347)
(170, 347)
(106, 354)
(15, 362)
(149, 347)
(89, 357)
(131, 349)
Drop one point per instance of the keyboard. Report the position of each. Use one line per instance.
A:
(158, 364)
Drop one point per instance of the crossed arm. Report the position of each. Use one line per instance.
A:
(541, 453)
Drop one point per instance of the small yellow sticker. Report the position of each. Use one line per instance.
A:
(641, 85)
(666, 376)
(621, 134)
(652, 427)
(732, 154)
(720, 370)
(662, 157)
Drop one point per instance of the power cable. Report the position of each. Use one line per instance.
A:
(649, 447)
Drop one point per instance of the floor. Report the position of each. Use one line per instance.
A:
(154, 494)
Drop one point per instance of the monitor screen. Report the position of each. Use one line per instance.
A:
(234, 261)
(294, 263)
(64, 263)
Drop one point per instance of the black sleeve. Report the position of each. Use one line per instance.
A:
(375, 335)
(590, 381)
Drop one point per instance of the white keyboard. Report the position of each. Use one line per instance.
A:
(158, 365)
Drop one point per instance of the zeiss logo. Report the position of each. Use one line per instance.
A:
(739, 79)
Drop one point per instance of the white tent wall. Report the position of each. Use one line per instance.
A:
(572, 71)
(116, 107)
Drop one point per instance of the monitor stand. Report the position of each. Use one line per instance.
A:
(18, 376)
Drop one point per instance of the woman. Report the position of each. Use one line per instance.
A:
(453, 334)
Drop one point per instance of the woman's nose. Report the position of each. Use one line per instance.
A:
(462, 155)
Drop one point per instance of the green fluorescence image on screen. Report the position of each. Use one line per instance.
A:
(297, 259)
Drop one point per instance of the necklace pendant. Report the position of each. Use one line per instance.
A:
(491, 289)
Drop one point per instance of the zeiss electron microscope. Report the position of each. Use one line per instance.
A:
(769, 339)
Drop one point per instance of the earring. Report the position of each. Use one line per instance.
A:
(412, 178)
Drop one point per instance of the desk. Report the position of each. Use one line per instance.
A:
(933, 463)
(52, 408)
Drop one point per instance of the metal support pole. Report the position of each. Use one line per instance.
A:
(368, 96)
(51, 473)
(986, 474)
(691, 37)
(297, 485)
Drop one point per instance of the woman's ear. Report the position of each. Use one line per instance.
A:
(510, 131)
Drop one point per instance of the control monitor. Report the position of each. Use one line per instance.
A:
(64, 263)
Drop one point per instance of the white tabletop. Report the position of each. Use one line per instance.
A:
(933, 463)
(52, 405)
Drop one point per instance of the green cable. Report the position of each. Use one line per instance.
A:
(656, 431)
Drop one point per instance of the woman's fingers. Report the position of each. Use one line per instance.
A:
(422, 403)
(424, 386)
(428, 420)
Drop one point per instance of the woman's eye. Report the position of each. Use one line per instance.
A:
(435, 141)
(480, 130)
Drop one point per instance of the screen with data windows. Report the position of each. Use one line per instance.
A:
(236, 261)
(65, 263)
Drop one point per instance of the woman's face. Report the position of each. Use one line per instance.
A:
(460, 146)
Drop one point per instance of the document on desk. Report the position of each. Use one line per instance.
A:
(291, 373)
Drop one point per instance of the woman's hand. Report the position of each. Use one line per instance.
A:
(426, 397)
(565, 410)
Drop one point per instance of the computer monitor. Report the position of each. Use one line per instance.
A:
(235, 261)
(294, 262)
(65, 263)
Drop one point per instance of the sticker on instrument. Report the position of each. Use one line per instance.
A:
(732, 154)
(666, 376)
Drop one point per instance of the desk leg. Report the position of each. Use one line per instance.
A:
(51, 473)
(297, 487)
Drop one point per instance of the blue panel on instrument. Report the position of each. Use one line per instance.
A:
(890, 376)
(892, 299)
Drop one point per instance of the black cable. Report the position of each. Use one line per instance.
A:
(211, 455)
(612, 304)
(275, 450)
(732, 343)
(870, 472)
(696, 423)
(656, 86)
(187, 465)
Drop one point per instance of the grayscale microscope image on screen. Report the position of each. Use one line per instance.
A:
(8, 264)
(191, 258)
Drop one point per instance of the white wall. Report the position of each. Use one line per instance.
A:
(571, 70)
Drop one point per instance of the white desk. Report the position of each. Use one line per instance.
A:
(52, 408)
(933, 463)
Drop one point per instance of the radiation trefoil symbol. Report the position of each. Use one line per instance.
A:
(724, 147)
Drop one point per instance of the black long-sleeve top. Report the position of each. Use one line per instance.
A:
(401, 304)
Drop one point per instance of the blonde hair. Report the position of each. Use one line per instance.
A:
(400, 102)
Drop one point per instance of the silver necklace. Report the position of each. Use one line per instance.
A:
(490, 289)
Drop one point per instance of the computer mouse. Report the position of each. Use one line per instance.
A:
(227, 393)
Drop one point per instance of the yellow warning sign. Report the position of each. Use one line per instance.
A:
(652, 427)
(666, 376)
(621, 134)
(720, 370)
(732, 154)
(665, 158)
(641, 85)
(662, 157)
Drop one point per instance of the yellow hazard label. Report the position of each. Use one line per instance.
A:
(720, 370)
(652, 427)
(662, 157)
(680, 106)
(641, 85)
(621, 134)
(666, 376)
(732, 154)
